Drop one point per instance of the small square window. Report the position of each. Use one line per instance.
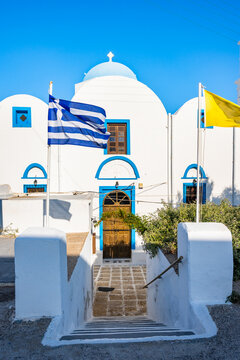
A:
(21, 117)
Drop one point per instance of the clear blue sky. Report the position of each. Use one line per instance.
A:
(171, 45)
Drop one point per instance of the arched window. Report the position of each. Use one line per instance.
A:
(190, 186)
(34, 172)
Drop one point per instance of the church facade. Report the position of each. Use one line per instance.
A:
(150, 158)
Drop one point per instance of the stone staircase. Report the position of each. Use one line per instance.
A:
(127, 329)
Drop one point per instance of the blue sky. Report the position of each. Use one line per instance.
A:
(170, 45)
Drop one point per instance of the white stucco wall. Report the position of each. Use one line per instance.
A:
(19, 147)
(80, 287)
(216, 154)
(207, 269)
(205, 278)
(41, 273)
(68, 216)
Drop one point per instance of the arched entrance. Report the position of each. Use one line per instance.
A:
(116, 234)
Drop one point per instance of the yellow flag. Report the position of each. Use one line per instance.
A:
(221, 112)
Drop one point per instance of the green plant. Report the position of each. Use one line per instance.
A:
(233, 298)
(159, 230)
(9, 231)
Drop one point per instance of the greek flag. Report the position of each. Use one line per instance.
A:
(72, 123)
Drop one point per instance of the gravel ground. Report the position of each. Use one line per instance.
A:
(22, 340)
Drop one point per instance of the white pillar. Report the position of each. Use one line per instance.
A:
(206, 272)
(41, 273)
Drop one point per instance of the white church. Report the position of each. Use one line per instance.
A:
(150, 158)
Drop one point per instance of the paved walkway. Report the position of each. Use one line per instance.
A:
(127, 296)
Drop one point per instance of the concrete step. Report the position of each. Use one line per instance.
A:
(107, 328)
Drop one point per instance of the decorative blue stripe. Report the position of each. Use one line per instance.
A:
(123, 158)
(31, 166)
(75, 130)
(76, 142)
(103, 191)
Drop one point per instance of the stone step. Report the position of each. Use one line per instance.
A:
(103, 329)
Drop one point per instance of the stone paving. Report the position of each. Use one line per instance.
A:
(127, 298)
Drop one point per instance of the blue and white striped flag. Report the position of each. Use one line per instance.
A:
(72, 123)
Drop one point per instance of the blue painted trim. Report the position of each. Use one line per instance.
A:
(19, 111)
(194, 166)
(123, 158)
(1, 217)
(118, 121)
(103, 191)
(202, 122)
(33, 186)
(191, 184)
(33, 165)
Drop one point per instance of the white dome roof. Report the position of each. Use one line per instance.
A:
(109, 68)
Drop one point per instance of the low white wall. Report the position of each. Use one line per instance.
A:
(80, 287)
(41, 273)
(68, 216)
(206, 273)
(205, 277)
(163, 294)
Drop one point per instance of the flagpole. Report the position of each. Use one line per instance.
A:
(198, 149)
(48, 170)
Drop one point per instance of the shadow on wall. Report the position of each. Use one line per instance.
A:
(59, 209)
(227, 194)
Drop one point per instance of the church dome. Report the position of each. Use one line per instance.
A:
(109, 68)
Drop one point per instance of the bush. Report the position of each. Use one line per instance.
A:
(159, 230)
(161, 227)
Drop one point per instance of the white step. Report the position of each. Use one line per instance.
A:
(112, 328)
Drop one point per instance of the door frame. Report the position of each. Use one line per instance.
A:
(103, 191)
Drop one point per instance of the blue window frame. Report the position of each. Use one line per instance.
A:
(103, 191)
(118, 121)
(21, 117)
(189, 188)
(192, 188)
(34, 188)
(202, 122)
(37, 187)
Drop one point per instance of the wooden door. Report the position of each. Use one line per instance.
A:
(116, 234)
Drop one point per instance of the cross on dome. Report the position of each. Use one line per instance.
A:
(110, 56)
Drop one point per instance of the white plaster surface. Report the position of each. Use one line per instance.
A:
(41, 273)
(205, 278)
(80, 286)
(78, 305)
(68, 216)
(207, 267)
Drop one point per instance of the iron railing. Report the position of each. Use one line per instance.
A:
(168, 268)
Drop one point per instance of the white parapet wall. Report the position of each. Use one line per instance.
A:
(206, 272)
(41, 273)
(80, 286)
(205, 278)
(78, 307)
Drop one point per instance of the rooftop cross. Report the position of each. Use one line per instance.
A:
(110, 56)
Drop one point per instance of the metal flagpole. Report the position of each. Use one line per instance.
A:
(198, 149)
(48, 170)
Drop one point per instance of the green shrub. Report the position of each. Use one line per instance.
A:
(159, 230)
